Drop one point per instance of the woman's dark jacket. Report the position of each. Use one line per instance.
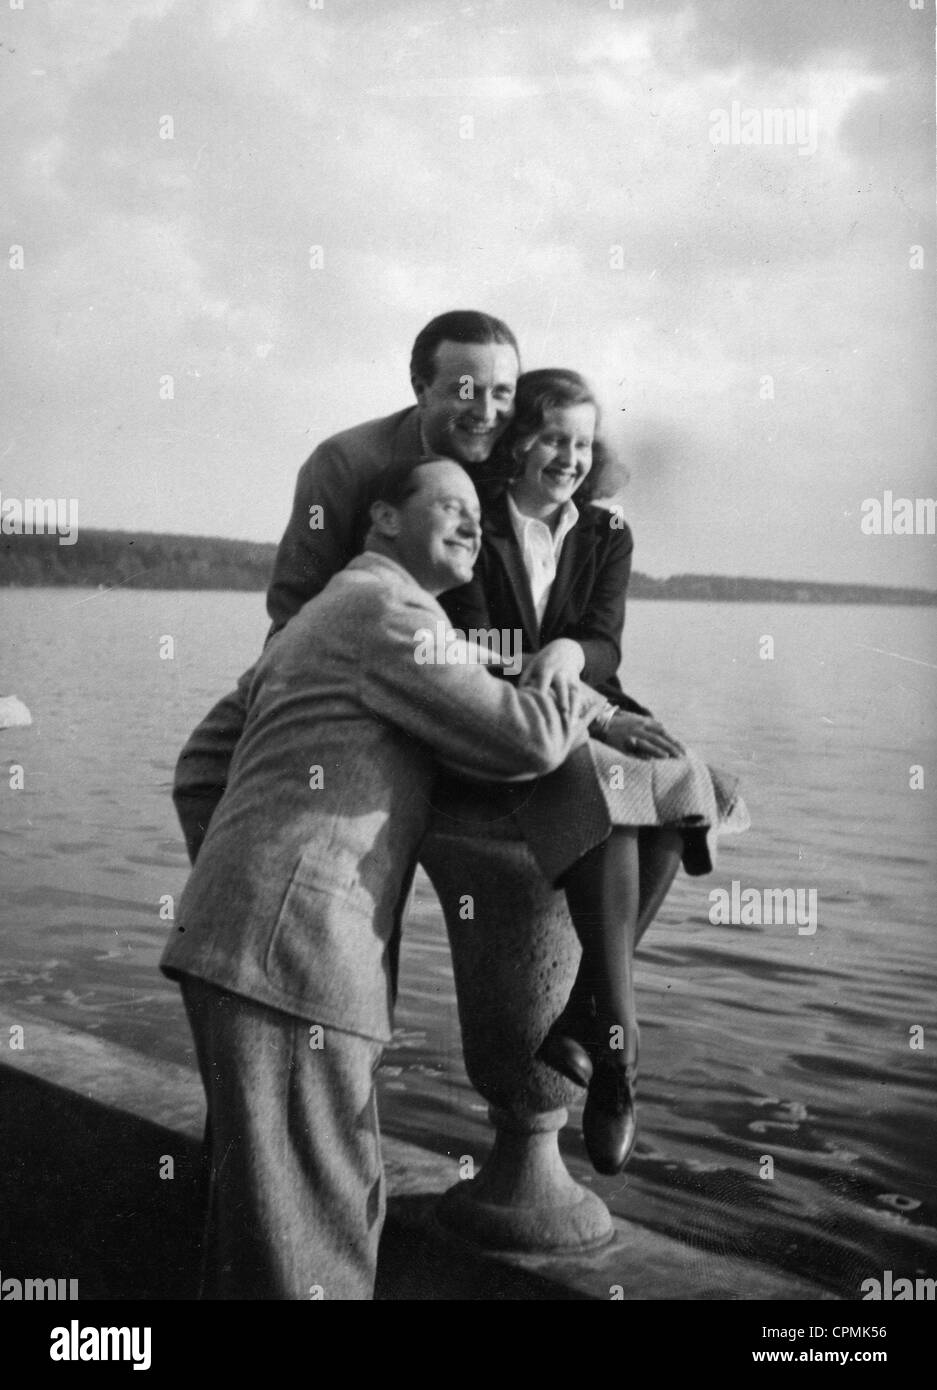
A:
(586, 602)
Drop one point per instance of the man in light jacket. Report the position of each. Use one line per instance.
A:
(463, 371)
(282, 943)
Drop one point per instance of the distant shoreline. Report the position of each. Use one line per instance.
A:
(150, 560)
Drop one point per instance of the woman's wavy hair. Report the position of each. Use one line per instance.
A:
(551, 388)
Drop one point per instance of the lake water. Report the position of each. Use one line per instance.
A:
(756, 1040)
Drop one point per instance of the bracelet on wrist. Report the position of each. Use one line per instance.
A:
(604, 717)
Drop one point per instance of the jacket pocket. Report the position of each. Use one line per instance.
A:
(327, 952)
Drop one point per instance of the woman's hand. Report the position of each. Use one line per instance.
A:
(642, 737)
(556, 667)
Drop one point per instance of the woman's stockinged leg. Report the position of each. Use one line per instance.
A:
(602, 884)
(603, 892)
(659, 855)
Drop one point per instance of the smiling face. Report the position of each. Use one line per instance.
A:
(469, 402)
(556, 460)
(436, 532)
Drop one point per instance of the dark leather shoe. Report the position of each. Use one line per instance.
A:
(609, 1122)
(566, 1055)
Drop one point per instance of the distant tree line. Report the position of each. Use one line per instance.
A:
(147, 560)
(744, 589)
(136, 560)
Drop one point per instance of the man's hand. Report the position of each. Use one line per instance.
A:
(641, 737)
(556, 667)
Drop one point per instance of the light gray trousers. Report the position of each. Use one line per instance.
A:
(296, 1196)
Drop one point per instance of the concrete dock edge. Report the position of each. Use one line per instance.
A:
(90, 1130)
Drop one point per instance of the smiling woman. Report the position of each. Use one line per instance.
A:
(612, 826)
(555, 426)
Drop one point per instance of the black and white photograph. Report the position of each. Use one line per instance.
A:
(468, 736)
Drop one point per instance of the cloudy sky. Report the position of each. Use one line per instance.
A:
(763, 337)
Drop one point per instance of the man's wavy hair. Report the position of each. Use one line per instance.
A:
(457, 326)
(551, 388)
(394, 485)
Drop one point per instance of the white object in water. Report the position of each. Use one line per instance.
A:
(13, 713)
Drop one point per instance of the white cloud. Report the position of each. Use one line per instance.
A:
(340, 127)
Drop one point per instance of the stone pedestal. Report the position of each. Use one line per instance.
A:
(515, 956)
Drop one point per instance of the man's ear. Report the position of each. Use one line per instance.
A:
(385, 519)
(419, 388)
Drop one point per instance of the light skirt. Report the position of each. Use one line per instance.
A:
(567, 813)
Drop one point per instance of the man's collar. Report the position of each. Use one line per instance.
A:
(376, 561)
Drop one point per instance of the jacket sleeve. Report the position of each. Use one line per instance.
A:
(476, 724)
(598, 629)
(322, 533)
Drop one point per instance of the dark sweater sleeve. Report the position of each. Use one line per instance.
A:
(322, 534)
